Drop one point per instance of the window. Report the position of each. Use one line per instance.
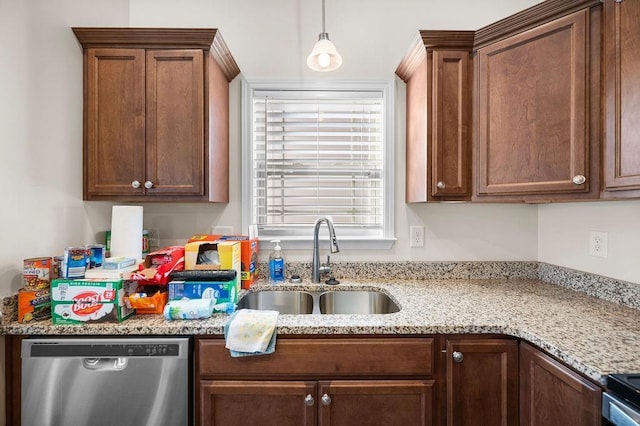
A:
(320, 151)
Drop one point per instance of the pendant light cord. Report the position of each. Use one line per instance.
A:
(323, 17)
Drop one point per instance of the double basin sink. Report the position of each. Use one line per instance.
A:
(325, 302)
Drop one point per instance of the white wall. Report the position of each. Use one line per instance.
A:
(41, 130)
(272, 39)
(41, 127)
(564, 237)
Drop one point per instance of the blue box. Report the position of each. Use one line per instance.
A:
(220, 291)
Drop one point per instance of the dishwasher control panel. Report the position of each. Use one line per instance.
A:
(149, 349)
(97, 349)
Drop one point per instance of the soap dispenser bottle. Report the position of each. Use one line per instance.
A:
(276, 264)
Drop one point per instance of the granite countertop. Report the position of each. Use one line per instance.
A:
(594, 336)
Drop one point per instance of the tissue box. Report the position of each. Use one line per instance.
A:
(220, 291)
(248, 258)
(85, 301)
(228, 254)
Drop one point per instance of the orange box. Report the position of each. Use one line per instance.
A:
(153, 304)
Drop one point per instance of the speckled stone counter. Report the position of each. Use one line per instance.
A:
(594, 336)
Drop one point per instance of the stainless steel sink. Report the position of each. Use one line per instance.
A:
(320, 302)
(356, 302)
(283, 301)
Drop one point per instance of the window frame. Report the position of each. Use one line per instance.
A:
(387, 239)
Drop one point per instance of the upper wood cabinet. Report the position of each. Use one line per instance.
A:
(621, 98)
(438, 70)
(537, 104)
(156, 114)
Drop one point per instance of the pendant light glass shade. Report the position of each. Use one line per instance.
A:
(324, 56)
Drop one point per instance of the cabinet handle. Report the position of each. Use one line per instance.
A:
(135, 184)
(457, 356)
(326, 399)
(441, 185)
(308, 400)
(148, 184)
(579, 179)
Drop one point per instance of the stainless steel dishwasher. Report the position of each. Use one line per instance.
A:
(105, 381)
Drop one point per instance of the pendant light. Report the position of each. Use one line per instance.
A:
(324, 56)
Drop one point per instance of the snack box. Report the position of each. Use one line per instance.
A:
(119, 262)
(84, 301)
(147, 302)
(34, 305)
(248, 258)
(203, 252)
(157, 266)
(220, 291)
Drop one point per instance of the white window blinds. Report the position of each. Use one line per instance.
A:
(318, 153)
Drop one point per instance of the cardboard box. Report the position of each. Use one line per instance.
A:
(220, 291)
(248, 258)
(206, 252)
(85, 301)
(157, 266)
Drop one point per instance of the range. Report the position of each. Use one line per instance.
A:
(621, 403)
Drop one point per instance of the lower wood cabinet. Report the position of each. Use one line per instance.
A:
(552, 394)
(324, 381)
(482, 381)
(335, 402)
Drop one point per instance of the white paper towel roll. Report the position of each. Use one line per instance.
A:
(126, 231)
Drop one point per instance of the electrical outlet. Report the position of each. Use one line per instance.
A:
(154, 238)
(598, 244)
(416, 233)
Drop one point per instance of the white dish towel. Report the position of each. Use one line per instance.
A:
(251, 330)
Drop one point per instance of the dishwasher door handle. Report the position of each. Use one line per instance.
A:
(105, 364)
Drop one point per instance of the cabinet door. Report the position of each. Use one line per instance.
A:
(622, 95)
(375, 402)
(252, 403)
(533, 99)
(482, 382)
(175, 122)
(450, 120)
(551, 394)
(114, 145)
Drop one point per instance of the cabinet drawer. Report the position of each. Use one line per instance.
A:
(317, 357)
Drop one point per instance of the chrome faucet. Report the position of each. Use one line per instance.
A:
(317, 269)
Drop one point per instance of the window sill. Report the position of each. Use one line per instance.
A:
(345, 243)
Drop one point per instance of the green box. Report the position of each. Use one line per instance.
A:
(86, 301)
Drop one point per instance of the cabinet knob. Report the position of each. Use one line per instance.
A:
(135, 184)
(148, 184)
(441, 185)
(579, 179)
(308, 400)
(457, 356)
(326, 399)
